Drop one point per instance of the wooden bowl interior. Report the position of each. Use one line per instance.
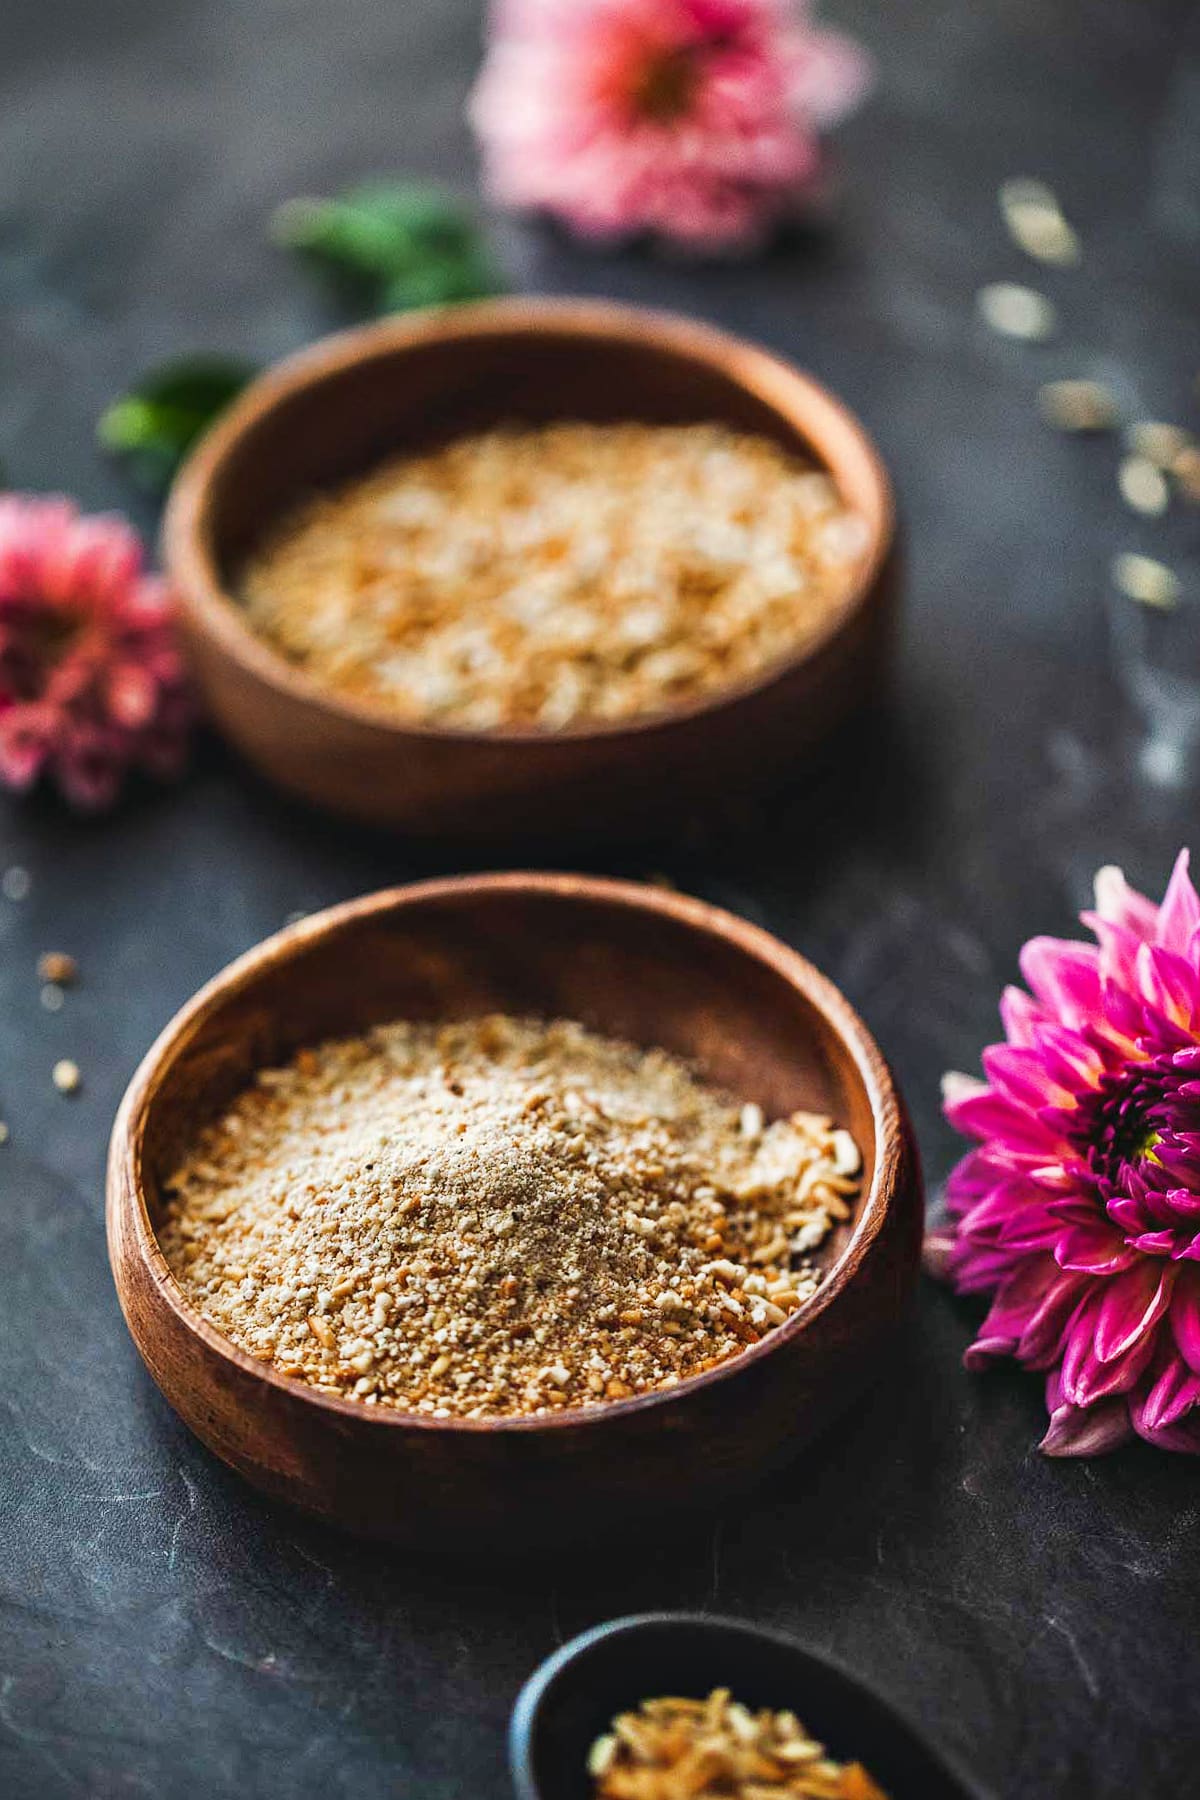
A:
(411, 395)
(653, 977)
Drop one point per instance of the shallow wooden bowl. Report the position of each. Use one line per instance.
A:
(567, 1703)
(651, 966)
(410, 383)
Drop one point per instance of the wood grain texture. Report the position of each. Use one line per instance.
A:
(656, 967)
(408, 384)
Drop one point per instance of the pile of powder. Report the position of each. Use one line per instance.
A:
(555, 576)
(499, 1216)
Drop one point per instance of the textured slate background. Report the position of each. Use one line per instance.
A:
(161, 1629)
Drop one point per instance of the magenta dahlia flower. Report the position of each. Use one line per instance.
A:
(698, 120)
(1080, 1210)
(91, 683)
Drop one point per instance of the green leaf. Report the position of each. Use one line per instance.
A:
(394, 245)
(154, 425)
(436, 284)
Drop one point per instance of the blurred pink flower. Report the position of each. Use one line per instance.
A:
(91, 683)
(1080, 1210)
(695, 119)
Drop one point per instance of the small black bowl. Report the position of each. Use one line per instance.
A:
(572, 1698)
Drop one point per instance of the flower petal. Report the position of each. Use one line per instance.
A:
(1094, 1248)
(1185, 1317)
(1020, 1014)
(1064, 975)
(1023, 1077)
(1168, 983)
(829, 76)
(990, 1115)
(1172, 1396)
(1041, 1340)
(956, 1086)
(1179, 914)
(26, 733)
(1034, 1298)
(1131, 1306)
(1117, 902)
(1088, 1430)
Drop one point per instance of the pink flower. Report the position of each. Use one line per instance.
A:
(91, 683)
(695, 119)
(1080, 1210)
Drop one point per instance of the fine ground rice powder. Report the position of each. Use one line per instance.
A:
(499, 1217)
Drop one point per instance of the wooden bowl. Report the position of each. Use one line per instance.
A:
(410, 383)
(567, 1703)
(651, 966)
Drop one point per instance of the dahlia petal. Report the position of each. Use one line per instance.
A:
(989, 1215)
(1165, 1410)
(1172, 1395)
(1068, 1059)
(105, 559)
(1020, 1015)
(988, 1347)
(1030, 1226)
(1021, 1294)
(1131, 1306)
(1088, 1430)
(1118, 948)
(990, 1115)
(26, 733)
(1122, 1013)
(1175, 1158)
(1167, 982)
(1185, 1318)
(1153, 1243)
(1179, 914)
(132, 694)
(1059, 1121)
(980, 1267)
(1094, 1248)
(1064, 975)
(1022, 1075)
(1041, 1338)
(830, 75)
(956, 1086)
(1053, 1178)
(149, 604)
(972, 1176)
(1122, 905)
(1183, 1438)
(1086, 1379)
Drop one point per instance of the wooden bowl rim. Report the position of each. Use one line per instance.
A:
(808, 406)
(129, 1127)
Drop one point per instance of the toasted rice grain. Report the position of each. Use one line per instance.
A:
(541, 578)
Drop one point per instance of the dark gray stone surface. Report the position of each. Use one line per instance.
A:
(163, 1631)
